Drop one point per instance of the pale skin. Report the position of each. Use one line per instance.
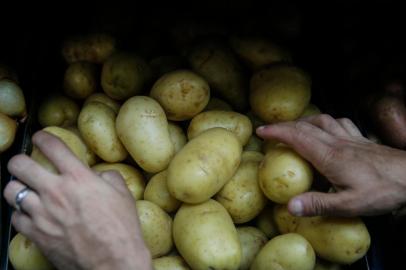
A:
(82, 220)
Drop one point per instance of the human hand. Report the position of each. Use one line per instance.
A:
(79, 219)
(369, 178)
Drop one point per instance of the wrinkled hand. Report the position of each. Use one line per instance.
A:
(79, 220)
(369, 178)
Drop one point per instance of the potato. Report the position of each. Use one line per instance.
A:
(71, 140)
(8, 129)
(132, 177)
(123, 76)
(170, 263)
(283, 174)
(182, 94)
(157, 192)
(252, 240)
(216, 104)
(324, 265)
(310, 110)
(80, 80)
(105, 99)
(7, 73)
(256, 122)
(336, 239)
(24, 255)
(12, 101)
(91, 157)
(266, 223)
(178, 137)
(284, 221)
(288, 252)
(96, 124)
(205, 236)
(238, 123)
(142, 127)
(242, 196)
(222, 71)
(58, 111)
(163, 64)
(279, 93)
(258, 52)
(156, 227)
(92, 48)
(204, 165)
(254, 144)
(251, 156)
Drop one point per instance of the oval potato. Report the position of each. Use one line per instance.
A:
(170, 263)
(254, 144)
(285, 222)
(8, 129)
(12, 101)
(80, 80)
(91, 157)
(251, 156)
(58, 111)
(105, 99)
(177, 135)
(266, 223)
(252, 240)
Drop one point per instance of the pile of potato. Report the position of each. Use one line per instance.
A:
(210, 194)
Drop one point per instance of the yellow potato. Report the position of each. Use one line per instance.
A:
(123, 76)
(266, 223)
(252, 240)
(142, 127)
(238, 123)
(96, 123)
(92, 48)
(170, 263)
(310, 110)
(181, 93)
(204, 165)
(284, 221)
(279, 93)
(178, 137)
(288, 252)
(24, 255)
(58, 111)
(132, 177)
(222, 71)
(105, 99)
(157, 192)
(206, 237)
(91, 158)
(216, 104)
(12, 101)
(71, 140)
(283, 174)
(8, 129)
(324, 265)
(242, 196)
(254, 144)
(156, 227)
(80, 80)
(251, 156)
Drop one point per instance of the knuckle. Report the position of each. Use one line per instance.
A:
(318, 206)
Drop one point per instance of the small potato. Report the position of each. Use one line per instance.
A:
(8, 129)
(80, 80)
(123, 76)
(204, 165)
(157, 192)
(182, 94)
(142, 127)
(170, 263)
(25, 255)
(283, 174)
(279, 93)
(105, 99)
(206, 237)
(12, 101)
(288, 252)
(96, 124)
(242, 196)
(58, 111)
(156, 227)
(285, 222)
(237, 123)
(132, 177)
(324, 265)
(310, 110)
(251, 156)
(93, 48)
(216, 104)
(266, 223)
(252, 240)
(254, 144)
(91, 157)
(178, 137)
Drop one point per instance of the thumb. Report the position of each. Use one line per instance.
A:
(320, 204)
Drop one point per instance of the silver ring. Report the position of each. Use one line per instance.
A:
(20, 196)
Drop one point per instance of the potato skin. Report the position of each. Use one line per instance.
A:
(12, 101)
(254, 144)
(105, 99)
(216, 104)
(252, 240)
(80, 80)
(204, 165)
(177, 135)
(8, 129)
(206, 237)
(251, 156)
(170, 263)
(58, 111)
(266, 223)
(142, 127)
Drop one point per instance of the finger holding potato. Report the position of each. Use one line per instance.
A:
(58, 111)
(80, 80)
(8, 129)
(12, 101)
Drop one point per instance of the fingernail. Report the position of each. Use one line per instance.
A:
(297, 207)
(261, 128)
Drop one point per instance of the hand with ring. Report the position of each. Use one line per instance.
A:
(78, 219)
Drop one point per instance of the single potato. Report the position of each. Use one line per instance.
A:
(178, 137)
(251, 156)
(8, 129)
(266, 223)
(254, 144)
(12, 101)
(105, 99)
(91, 158)
(204, 165)
(80, 80)
(252, 240)
(58, 111)
(206, 237)
(156, 227)
(182, 94)
(132, 177)
(238, 123)
(170, 263)
(142, 127)
(216, 104)
(285, 222)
